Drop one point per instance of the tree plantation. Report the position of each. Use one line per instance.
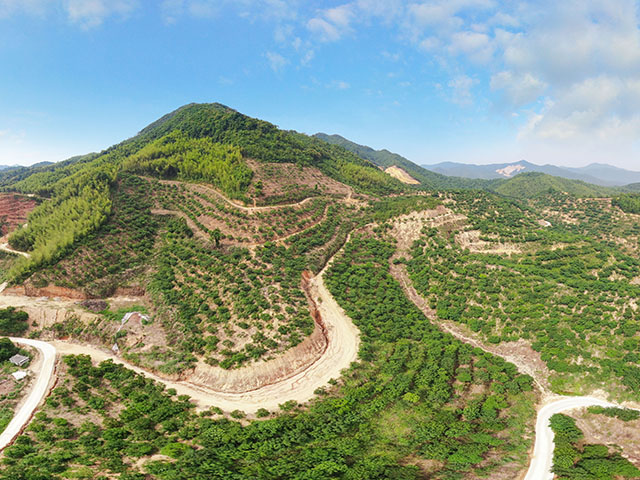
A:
(249, 266)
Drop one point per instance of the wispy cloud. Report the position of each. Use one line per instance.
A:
(92, 13)
(276, 61)
(29, 7)
(333, 23)
(85, 13)
(461, 86)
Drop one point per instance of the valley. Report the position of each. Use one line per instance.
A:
(300, 310)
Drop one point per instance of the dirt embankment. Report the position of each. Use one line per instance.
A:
(28, 290)
(49, 291)
(267, 372)
(339, 349)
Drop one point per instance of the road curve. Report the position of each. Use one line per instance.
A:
(38, 392)
(343, 340)
(542, 460)
(5, 247)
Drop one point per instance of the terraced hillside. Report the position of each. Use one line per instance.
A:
(221, 254)
(559, 272)
(13, 211)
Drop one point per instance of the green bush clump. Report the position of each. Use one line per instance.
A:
(13, 322)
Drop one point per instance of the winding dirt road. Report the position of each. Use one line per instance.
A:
(343, 341)
(38, 391)
(406, 230)
(5, 247)
(542, 460)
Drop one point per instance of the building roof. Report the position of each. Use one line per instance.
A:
(19, 375)
(19, 360)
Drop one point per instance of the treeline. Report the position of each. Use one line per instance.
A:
(177, 156)
(574, 460)
(81, 204)
(628, 202)
(624, 414)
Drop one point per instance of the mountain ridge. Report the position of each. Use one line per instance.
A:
(596, 173)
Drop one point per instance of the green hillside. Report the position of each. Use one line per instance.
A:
(532, 184)
(385, 159)
(197, 142)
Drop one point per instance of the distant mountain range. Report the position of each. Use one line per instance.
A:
(596, 173)
(520, 179)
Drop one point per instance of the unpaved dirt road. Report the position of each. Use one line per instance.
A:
(407, 229)
(343, 340)
(38, 391)
(7, 248)
(542, 460)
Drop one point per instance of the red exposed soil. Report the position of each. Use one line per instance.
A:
(13, 211)
(50, 291)
(27, 289)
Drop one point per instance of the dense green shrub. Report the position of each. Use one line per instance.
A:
(13, 322)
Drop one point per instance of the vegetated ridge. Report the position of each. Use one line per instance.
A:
(596, 173)
(531, 184)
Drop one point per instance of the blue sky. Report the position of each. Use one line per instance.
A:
(478, 81)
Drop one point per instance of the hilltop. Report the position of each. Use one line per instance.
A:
(532, 184)
(211, 218)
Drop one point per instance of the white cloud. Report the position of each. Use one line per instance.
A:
(603, 109)
(92, 13)
(478, 47)
(331, 24)
(30, 7)
(430, 44)
(585, 57)
(278, 10)
(307, 57)
(339, 85)
(327, 31)
(385, 9)
(520, 89)
(461, 90)
(85, 13)
(276, 61)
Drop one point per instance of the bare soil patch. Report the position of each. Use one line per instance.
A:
(402, 175)
(14, 210)
(601, 429)
(289, 179)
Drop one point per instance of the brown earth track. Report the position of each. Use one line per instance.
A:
(406, 229)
